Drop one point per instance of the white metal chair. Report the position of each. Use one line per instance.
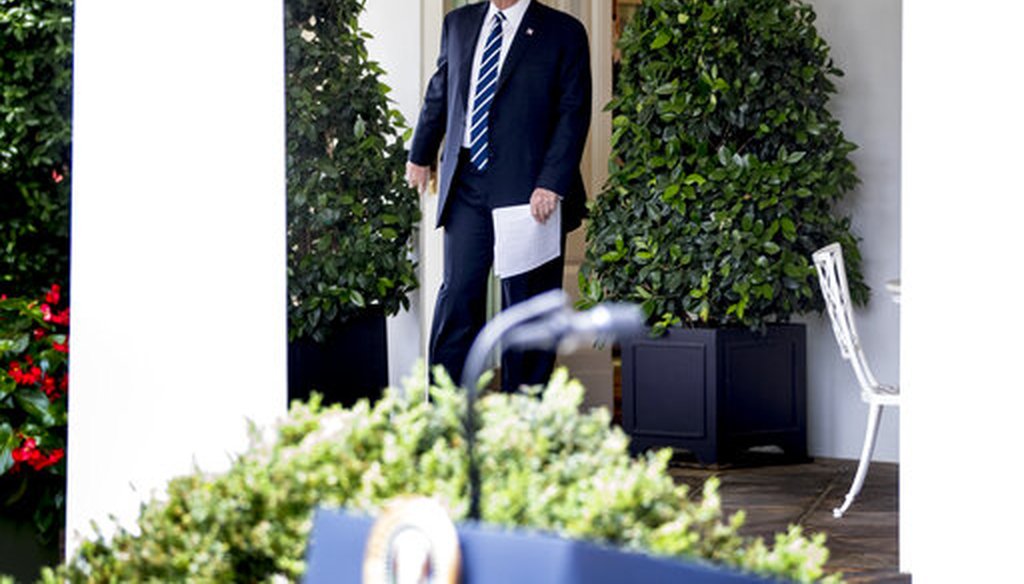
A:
(832, 277)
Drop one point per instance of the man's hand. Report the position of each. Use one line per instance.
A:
(542, 204)
(417, 177)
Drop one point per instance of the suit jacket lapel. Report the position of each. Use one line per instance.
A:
(521, 43)
(467, 48)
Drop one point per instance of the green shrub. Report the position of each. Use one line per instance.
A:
(34, 410)
(725, 167)
(544, 466)
(35, 143)
(350, 214)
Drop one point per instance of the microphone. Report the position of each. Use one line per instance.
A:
(542, 322)
(568, 330)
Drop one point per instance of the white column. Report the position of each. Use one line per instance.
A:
(396, 29)
(178, 249)
(431, 239)
(962, 319)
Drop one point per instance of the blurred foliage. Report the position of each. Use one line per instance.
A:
(726, 166)
(544, 465)
(350, 215)
(35, 143)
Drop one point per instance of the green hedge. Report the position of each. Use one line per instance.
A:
(35, 143)
(544, 465)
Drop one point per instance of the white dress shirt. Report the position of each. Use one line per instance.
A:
(513, 18)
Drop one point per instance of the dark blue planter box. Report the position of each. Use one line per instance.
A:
(22, 555)
(717, 392)
(351, 364)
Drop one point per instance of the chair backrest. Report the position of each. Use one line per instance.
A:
(832, 278)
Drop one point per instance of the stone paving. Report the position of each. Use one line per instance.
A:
(864, 544)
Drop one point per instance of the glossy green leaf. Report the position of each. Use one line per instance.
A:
(661, 40)
(695, 179)
(36, 404)
(16, 345)
(8, 442)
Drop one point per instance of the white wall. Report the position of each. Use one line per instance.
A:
(865, 41)
(178, 247)
(961, 371)
(396, 28)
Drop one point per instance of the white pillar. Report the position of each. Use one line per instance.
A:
(178, 249)
(962, 319)
(431, 240)
(396, 45)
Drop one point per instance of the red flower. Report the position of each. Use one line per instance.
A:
(53, 296)
(64, 383)
(63, 317)
(29, 454)
(51, 459)
(25, 451)
(60, 347)
(14, 370)
(21, 377)
(57, 177)
(50, 388)
(38, 334)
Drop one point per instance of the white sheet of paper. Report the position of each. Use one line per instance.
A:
(521, 243)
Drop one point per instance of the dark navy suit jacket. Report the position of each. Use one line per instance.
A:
(539, 118)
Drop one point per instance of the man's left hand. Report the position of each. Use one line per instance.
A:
(542, 204)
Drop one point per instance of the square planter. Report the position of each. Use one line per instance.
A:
(350, 365)
(22, 555)
(717, 392)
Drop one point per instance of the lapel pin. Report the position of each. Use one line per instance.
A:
(529, 32)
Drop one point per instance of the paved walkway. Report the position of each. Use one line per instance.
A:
(863, 544)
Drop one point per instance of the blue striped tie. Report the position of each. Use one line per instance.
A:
(486, 85)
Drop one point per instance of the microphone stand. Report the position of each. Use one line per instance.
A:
(476, 362)
(542, 322)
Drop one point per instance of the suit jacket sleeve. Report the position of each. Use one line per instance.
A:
(430, 127)
(565, 150)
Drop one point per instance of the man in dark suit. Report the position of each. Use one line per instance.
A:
(511, 100)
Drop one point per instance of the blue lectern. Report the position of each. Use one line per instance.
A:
(493, 556)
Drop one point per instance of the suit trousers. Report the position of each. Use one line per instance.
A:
(461, 309)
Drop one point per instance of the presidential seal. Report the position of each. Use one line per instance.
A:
(413, 542)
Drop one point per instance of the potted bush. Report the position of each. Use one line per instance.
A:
(545, 466)
(350, 215)
(726, 165)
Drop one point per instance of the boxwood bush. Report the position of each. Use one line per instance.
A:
(544, 465)
(350, 214)
(726, 166)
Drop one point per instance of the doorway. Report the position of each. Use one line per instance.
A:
(592, 366)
